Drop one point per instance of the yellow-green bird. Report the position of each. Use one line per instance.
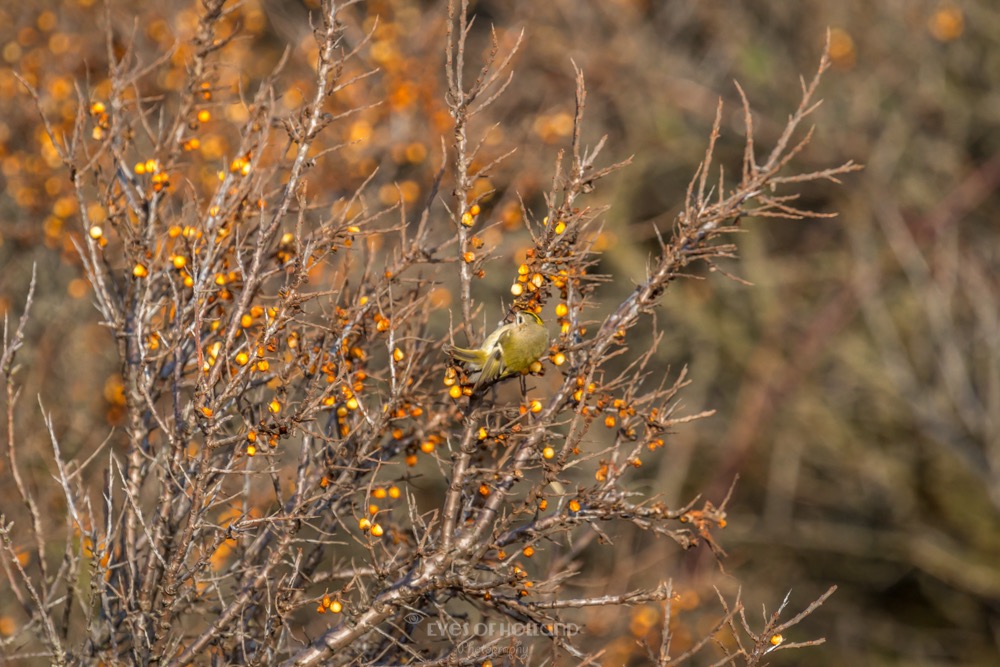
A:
(509, 350)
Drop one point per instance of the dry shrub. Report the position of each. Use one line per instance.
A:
(297, 474)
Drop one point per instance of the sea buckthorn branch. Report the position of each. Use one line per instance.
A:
(768, 640)
(289, 298)
(463, 105)
(34, 600)
(674, 258)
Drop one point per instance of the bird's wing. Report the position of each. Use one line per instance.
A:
(492, 368)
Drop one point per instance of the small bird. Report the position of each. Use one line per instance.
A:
(509, 350)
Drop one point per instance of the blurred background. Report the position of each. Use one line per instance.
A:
(856, 382)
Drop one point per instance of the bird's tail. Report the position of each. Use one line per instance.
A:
(462, 354)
